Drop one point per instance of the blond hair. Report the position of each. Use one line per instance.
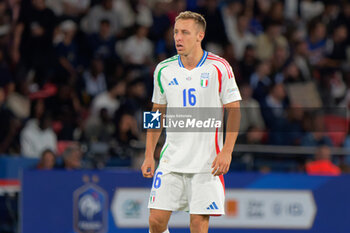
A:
(198, 18)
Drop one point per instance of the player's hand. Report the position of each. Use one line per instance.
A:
(221, 163)
(147, 167)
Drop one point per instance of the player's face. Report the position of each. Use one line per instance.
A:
(187, 36)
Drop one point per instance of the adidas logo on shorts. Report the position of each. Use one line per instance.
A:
(212, 206)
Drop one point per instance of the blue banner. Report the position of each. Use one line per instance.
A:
(116, 201)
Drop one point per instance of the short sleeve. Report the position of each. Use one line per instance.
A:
(229, 90)
(158, 91)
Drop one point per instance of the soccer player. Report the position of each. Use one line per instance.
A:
(189, 176)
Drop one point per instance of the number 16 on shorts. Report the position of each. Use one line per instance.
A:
(157, 182)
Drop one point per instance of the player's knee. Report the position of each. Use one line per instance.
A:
(199, 224)
(157, 224)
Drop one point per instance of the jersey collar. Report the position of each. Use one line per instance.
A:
(200, 63)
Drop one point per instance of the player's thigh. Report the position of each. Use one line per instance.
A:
(159, 217)
(168, 192)
(207, 195)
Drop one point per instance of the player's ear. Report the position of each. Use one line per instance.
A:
(200, 36)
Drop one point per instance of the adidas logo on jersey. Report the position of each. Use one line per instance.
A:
(173, 82)
(213, 206)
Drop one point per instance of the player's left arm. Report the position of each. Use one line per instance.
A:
(221, 163)
(230, 98)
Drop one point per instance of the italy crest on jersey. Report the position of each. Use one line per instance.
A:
(204, 79)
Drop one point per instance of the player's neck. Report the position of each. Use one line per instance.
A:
(191, 60)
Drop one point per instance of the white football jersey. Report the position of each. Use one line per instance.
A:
(211, 84)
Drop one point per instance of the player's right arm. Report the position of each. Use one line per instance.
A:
(152, 137)
(159, 103)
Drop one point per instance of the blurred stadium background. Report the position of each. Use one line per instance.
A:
(76, 75)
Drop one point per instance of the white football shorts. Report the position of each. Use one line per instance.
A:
(196, 193)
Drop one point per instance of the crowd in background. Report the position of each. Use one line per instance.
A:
(82, 71)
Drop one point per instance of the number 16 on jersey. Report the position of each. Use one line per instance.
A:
(189, 97)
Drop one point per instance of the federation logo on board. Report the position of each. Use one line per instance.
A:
(90, 209)
(132, 208)
(204, 79)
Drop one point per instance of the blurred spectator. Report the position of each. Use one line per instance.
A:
(65, 108)
(104, 11)
(5, 16)
(316, 42)
(293, 129)
(344, 18)
(255, 8)
(102, 43)
(5, 23)
(9, 125)
(337, 87)
(165, 47)
(161, 22)
(15, 7)
(176, 7)
(66, 51)
(301, 59)
(126, 132)
(316, 135)
(261, 9)
(260, 80)
(215, 38)
(37, 136)
(278, 62)
(273, 111)
(71, 9)
(138, 49)
(56, 6)
(99, 128)
(37, 108)
(267, 42)
(32, 44)
(250, 110)
(123, 9)
(18, 101)
(109, 99)
(291, 74)
(253, 135)
(47, 160)
(94, 80)
(230, 13)
(72, 158)
(331, 87)
(336, 47)
(134, 12)
(135, 99)
(248, 63)
(127, 129)
(310, 9)
(6, 76)
(275, 14)
(241, 38)
(329, 14)
(322, 165)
